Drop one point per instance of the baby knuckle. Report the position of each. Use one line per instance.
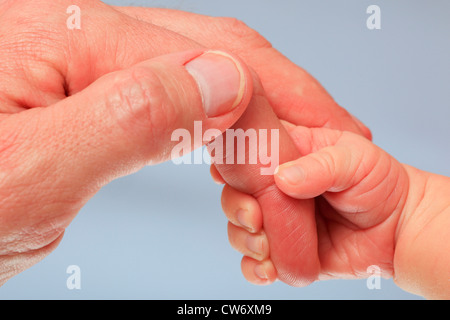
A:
(327, 161)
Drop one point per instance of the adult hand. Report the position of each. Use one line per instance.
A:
(293, 93)
(53, 159)
(82, 107)
(113, 38)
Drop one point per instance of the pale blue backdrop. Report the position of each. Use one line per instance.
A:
(161, 234)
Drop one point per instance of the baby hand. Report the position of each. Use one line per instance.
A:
(359, 190)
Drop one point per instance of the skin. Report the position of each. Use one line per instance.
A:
(292, 92)
(80, 108)
(370, 210)
(279, 212)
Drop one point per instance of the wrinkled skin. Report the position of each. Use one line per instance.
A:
(44, 177)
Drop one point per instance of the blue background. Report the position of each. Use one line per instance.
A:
(161, 234)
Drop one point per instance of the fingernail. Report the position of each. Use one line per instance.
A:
(255, 244)
(292, 174)
(261, 272)
(220, 79)
(242, 217)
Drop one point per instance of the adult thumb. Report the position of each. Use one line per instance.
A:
(53, 159)
(125, 120)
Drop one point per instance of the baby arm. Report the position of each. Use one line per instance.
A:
(422, 260)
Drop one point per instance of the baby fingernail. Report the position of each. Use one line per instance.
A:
(220, 79)
(243, 219)
(292, 174)
(255, 244)
(261, 272)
